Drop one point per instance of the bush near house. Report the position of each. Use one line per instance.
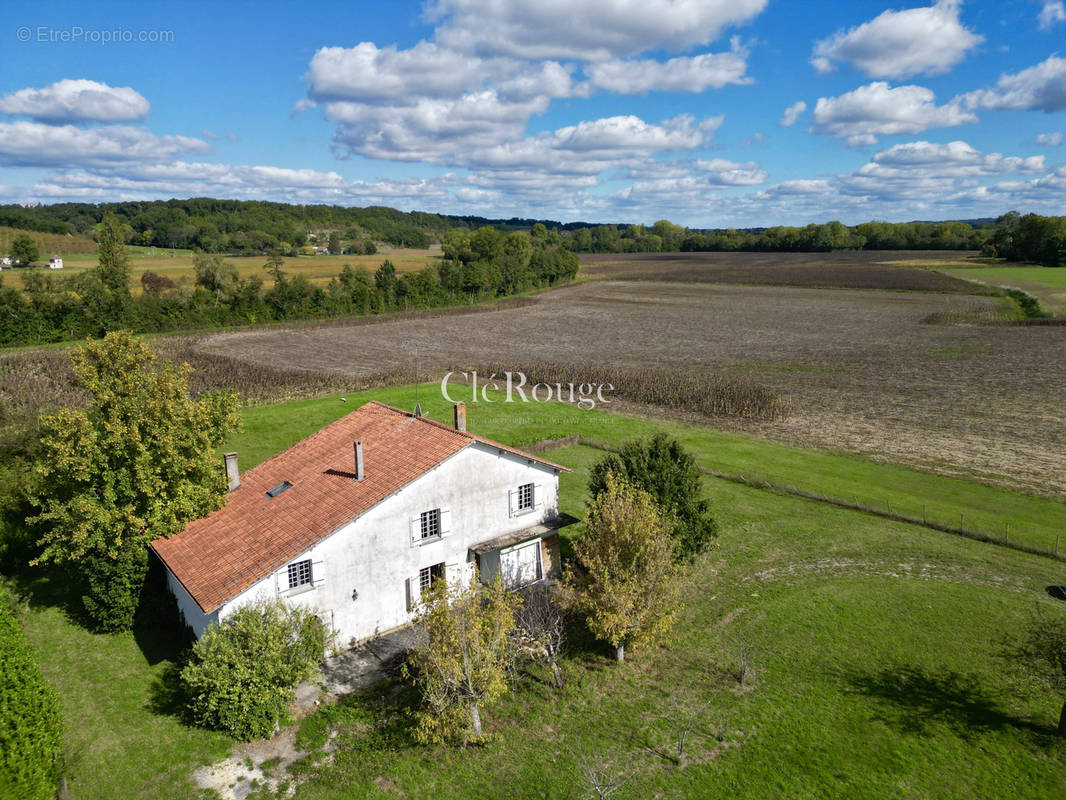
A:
(31, 736)
(660, 466)
(242, 674)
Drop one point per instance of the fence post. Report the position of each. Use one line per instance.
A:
(924, 520)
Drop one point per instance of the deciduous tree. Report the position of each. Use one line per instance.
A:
(24, 250)
(663, 468)
(540, 628)
(113, 262)
(627, 584)
(136, 463)
(462, 664)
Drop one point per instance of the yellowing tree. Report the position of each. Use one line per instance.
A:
(462, 665)
(627, 585)
(136, 463)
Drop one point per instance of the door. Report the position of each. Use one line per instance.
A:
(521, 565)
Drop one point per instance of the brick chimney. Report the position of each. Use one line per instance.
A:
(233, 475)
(460, 416)
(359, 474)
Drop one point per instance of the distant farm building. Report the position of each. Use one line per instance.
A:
(55, 263)
(5, 262)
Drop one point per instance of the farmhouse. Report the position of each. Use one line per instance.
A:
(55, 263)
(359, 518)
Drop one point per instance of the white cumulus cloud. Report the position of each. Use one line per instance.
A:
(682, 74)
(77, 101)
(584, 30)
(1051, 14)
(33, 144)
(877, 109)
(900, 44)
(1040, 88)
(792, 114)
(1049, 139)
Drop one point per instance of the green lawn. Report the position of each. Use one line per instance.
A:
(873, 645)
(1048, 284)
(1034, 520)
(123, 738)
(874, 650)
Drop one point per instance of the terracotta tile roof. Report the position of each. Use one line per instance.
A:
(219, 556)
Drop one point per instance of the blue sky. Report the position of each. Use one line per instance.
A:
(709, 113)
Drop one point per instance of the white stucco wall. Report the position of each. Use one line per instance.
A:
(374, 555)
(194, 617)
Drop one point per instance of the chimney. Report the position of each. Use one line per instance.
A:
(233, 475)
(359, 474)
(460, 416)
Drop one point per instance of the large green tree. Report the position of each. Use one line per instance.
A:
(136, 463)
(626, 585)
(113, 262)
(24, 250)
(662, 467)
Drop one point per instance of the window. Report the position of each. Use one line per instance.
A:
(300, 574)
(430, 523)
(525, 497)
(427, 576)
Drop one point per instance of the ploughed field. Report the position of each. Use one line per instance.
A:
(868, 372)
(890, 270)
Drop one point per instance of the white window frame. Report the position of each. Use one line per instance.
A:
(524, 497)
(301, 568)
(419, 526)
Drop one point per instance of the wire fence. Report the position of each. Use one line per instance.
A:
(930, 517)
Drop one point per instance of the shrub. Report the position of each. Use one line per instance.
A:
(31, 736)
(242, 674)
(663, 468)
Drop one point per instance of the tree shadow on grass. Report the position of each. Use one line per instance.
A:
(915, 700)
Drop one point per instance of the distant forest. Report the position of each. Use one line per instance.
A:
(476, 267)
(257, 227)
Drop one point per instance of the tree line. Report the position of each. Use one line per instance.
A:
(666, 237)
(53, 309)
(1041, 240)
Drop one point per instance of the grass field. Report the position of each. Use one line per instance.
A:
(177, 265)
(873, 645)
(1048, 284)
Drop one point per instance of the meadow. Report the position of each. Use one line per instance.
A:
(1046, 283)
(870, 647)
